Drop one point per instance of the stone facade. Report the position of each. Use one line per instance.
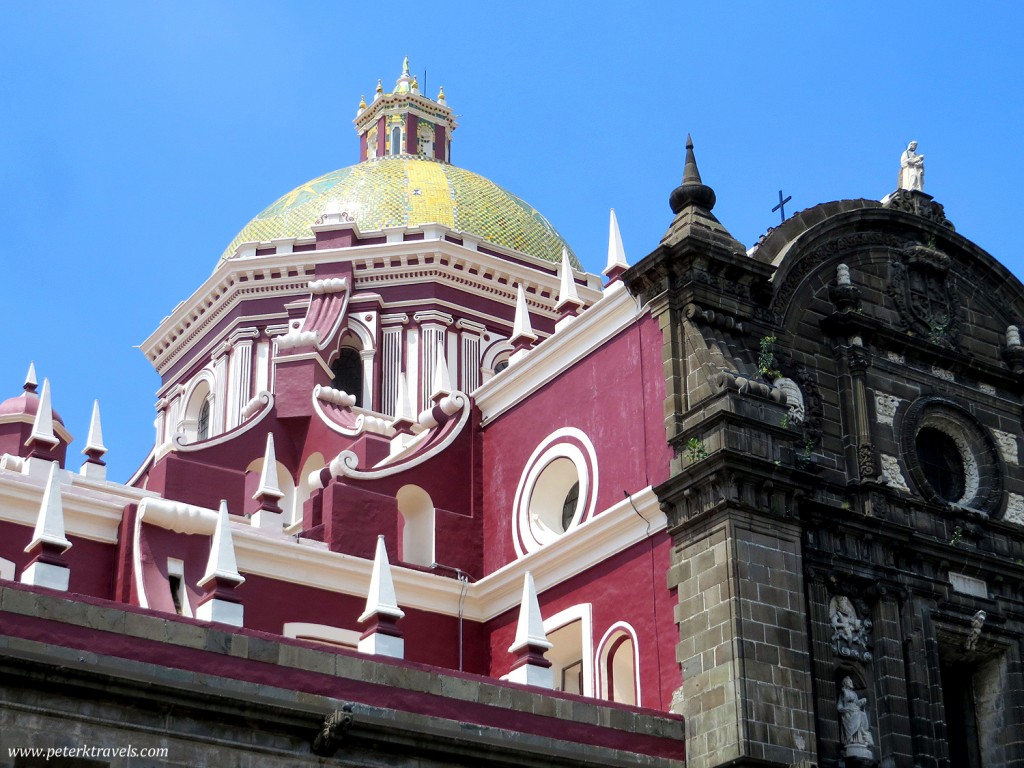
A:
(858, 553)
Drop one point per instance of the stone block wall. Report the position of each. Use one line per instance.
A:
(743, 649)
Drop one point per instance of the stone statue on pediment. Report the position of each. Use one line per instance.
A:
(911, 174)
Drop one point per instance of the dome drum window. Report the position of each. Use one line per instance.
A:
(557, 490)
(951, 458)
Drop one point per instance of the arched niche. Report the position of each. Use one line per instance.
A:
(314, 463)
(417, 525)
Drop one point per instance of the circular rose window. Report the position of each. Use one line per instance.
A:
(951, 457)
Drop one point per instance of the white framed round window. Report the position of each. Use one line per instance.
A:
(951, 457)
(557, 490)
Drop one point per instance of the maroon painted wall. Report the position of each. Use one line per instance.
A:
(630, 587)
(615, 396)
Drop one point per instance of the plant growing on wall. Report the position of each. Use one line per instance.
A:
(766, 364)
(695, 450)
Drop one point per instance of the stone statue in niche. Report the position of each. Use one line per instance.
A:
(850, 633)
(855, 731)
(977, 622)
(911, 174)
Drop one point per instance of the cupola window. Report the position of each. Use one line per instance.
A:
(396, 141)
(203, 422)
(348, 374)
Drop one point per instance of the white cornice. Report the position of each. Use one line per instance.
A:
(216, 297)
(283, 274)
(93, 511)
(615, 312)
(584, 547)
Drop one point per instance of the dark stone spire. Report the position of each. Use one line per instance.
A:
(692, 191)
(691, 203)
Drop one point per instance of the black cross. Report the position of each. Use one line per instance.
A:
(781, 207)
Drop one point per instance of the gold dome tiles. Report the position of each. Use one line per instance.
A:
(408, 191)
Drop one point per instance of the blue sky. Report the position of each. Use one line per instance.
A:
(138, 138)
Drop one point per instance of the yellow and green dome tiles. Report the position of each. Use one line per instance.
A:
(406, 191)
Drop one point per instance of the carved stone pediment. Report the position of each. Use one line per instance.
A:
(922, 286)
(919, 204)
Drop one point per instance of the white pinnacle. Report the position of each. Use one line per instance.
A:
(442, 378)
(94, 442)
(268, 477)
(530, 627)
(616, 253)
(30, 378)
(522, 328)
(381, 597)
(567, 292)
(42, 426)
(222, 563)
(403, 405)
(50, 522)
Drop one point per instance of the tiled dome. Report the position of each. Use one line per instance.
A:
(408, 191)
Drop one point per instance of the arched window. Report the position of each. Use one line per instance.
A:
(198, 417)
(617, 665)
(203, 422)
(348, 374)
(396, 141)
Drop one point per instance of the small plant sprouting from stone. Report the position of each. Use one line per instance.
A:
(766, 359)
(695, 450)
(958, 535)
(784, 421)
(808, 449)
